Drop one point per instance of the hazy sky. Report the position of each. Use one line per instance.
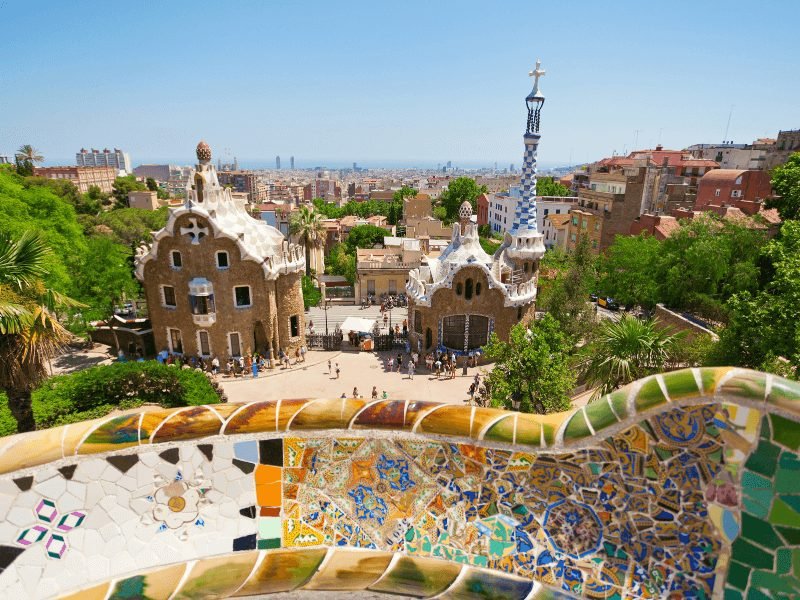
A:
(392, 81)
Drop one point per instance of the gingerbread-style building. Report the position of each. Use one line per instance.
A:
(219, 282)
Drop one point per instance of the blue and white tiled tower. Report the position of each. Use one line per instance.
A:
(523, 245)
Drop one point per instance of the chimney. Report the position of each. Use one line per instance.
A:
(659, 147)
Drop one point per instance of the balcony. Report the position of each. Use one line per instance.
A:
(205, 320)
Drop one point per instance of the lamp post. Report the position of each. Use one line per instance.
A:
(389, 307)
(324, 305)
(516, 400)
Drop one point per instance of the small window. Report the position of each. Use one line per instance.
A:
(235, 346)
(205, 346)
(222, 260)
(459, 289)
(177, 260)
(558, 211)
(241, 295)
(468, 289)
(478, 289)
(294, 326)
(546, 211)
(597, 225)
(717, 192)
(175, 341)
(168, 293)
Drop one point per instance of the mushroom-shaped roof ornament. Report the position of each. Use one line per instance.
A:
(465, 211)
(203, 152)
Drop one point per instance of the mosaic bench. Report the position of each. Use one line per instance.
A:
(681, 485)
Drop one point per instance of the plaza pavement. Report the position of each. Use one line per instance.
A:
(362, 370)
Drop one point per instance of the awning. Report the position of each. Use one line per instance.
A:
(357, 324)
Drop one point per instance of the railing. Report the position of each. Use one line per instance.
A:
(332, 341)
(378, 264)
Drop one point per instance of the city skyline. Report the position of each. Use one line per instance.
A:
(445, 93)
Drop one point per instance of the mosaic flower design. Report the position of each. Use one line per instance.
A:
(394, 472)
(368, 505)
(573, 528)
(50, 527)
(178, 503)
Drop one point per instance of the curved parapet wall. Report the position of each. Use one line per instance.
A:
(683, 485)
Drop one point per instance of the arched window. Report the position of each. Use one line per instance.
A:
(478, 288)
(468, 289)
(459, 288)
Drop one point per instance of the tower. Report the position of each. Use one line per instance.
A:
(523, 245)
(278, 163)
(291, 163)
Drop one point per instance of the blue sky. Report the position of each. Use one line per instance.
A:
(418, 82)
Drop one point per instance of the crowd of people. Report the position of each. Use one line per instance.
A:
(236, 366)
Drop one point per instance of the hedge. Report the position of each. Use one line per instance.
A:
(8, 424)
(97, 391)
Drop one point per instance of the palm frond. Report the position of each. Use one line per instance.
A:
(53, 300)
(12, 317)
(22, 260)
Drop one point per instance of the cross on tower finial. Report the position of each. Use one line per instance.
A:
(535, 74)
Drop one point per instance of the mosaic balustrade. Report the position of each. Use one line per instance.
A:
(682, 485)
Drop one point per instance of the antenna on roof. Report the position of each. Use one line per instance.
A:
(728, 126)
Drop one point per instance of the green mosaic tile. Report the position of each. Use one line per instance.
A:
(738, 575)
(619, 400)
(418, 577)
(764, 459)
(502, 431)
(783, 558)
(681, 384)
(786, 432)
(748, 385)
(759, 531)
(766, 428)
(708, 378)
(787, 481)
(783, 514)
(785, 394)
(600, 414)
(790, 535)
(269, 544)
(754, 594)
(796, 561)
(577, 427)
(754, 481)
(649, 395)
(732, 594)
(756, 508)
(751, 555)
(549, 434)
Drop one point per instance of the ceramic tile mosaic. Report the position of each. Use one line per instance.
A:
(684, 485)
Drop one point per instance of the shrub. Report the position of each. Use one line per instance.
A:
(8, 424)
(97, 391)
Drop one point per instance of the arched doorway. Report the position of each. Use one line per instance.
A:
(260, 339)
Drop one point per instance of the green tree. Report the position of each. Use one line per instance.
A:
(786, 185)
(30, 334)
(105, 276)
(458, 191)
(764, 325)
(626, 350)
(123, 185)
(364, 236)
(311, 294)
(132, 226)
(547, 186)
(26, 158)
(403, 193)
(629, 270)
(307, 224)
(339, 262)
(566, 296)
(440, 212)
(533, 367)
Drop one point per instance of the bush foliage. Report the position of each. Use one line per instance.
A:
(8, 424)
(97, 391)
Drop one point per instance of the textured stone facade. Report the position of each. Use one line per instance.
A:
(219, 282)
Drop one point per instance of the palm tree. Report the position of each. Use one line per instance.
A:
(28, 153)
(30, 334)
(625, 350)
(308, 225)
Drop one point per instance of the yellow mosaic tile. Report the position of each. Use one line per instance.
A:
(217, 577)
(350, 570)
(187, 424)
(326, 413)
(283, 571)
(447, 420)
(288, 409)
(98, 592)
(31, 449)
(255, 417)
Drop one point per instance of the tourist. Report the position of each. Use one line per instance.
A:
(229, 368)
(438, 368)
(396, 330)
(355, 392)
(254, 368)
(472, 388)
(385, 320)
(343, 396)
(337, 370)
(374, 392)
(215, 366)
(399, 362)
(296, 355)
(405, 327)
(303, 351)
(384, 395)
(411, 370)
(311, 327)
(390, 364)
(329, 366)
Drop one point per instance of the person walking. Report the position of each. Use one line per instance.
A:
(355, 392)
(390, 364)
(374, 392)
(438, 368)
(329, 366)
(405, 327)
(337, 371)
(384, 396)
(303, 350)
(254, 369)
(215, 366)
(399, 362)
(472, 388)
(411, 370)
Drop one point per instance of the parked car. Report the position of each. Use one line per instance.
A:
(593, 296)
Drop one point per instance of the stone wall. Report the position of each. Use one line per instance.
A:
(681, 485)
(668, 319)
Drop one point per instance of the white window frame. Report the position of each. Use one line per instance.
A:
(230, 346)
(227, 255)
(249, 293)
(164, 296)
(717, 192)
(169, 340)
(200, 346)
(172, 264)
(736, 193)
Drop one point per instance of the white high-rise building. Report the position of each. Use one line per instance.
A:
(104, 158)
